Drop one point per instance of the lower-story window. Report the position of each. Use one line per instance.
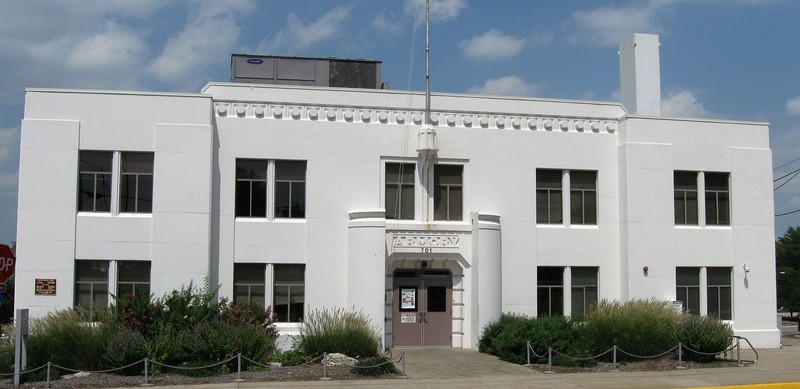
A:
(249, 283)
(584, 290)
(289, 292)
(691, 288)
(550, 291)
(91, 284)
(94, 284)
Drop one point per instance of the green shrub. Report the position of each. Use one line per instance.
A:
(189, 306)
(374, 367)
(705, 334)
(125, 347)
(198, 369)
(219, 340)
(640, 327)
(507, 339)
(7, 349)
(165, 347)
(69, 339)
(139, 312)
(338, 331)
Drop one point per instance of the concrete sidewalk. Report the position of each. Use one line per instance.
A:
(446, 368)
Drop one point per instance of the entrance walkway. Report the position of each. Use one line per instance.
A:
(424, 363)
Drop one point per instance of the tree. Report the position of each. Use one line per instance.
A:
(788, 289)
(787, 249)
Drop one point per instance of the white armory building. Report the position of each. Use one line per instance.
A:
(291, 191)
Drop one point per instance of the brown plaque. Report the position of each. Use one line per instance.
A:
(45, 286)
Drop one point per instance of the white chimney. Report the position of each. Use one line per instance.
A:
(640, 75)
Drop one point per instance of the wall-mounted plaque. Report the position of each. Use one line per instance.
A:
(45, 287)
(408, 317)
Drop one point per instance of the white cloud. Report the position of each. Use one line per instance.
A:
(207, 38)
(388, 22)
(9, 142)
(607, 26)
(507, 86)
(683, 103)
(492, 45)
(793, 106)
(441, 10)
(113, 47)
(299, 35)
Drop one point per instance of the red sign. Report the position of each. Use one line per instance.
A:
(7, 263)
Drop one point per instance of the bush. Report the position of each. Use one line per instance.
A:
(139, 312)
(374, 367)
(69, 338)
(705, 334)
(189, 306)
(125, 347)
(507, 339)
(338, 331)
(640, 327)
(219, 340)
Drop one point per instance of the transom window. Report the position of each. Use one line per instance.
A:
(285, 180)
(399, 194)
(447, 192)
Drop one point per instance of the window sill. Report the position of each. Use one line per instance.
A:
(697, 227)
(140, 215)
(288, 328)
(94, 214)
(240, 219)
(569, 227)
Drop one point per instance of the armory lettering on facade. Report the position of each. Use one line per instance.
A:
(426, 242)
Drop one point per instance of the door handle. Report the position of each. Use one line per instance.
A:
(423, 317)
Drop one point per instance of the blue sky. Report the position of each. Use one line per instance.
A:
(729, 59)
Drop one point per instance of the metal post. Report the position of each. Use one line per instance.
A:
(239, 367)
(48, 374)
(738, 351)
(549, 358)
(615, 357)
(145, 371)
(325, 367)
(403, 365)
(528, 351)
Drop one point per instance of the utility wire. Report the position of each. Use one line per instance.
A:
(787, 181)
(788, 213)
(787, 163)
(786, 175)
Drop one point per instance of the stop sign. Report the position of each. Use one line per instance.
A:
(7, 263)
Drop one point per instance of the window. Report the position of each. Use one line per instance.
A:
(136, 184)
(687, 288)
(583, 197)
(550, 291)
(94, 181)
(91, 284)
(548, 196)
(249, 284)
(717, 199)
(289, 293)
(584, 290)
(290, 189)
(686, 198)
(719, 292)
(253, 186)
(447, 192)
(133, 277)
(399, 195)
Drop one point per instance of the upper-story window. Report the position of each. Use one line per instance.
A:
(256, 178)
(548, 196)
(94, 181)
(290, 189)
(399, 195)
(686, 198)
(713, 196)
(717, 199)
(136, 184)
(448, 192)
(583, 197)
(581, 202)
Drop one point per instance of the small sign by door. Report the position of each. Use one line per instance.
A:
(408, 317)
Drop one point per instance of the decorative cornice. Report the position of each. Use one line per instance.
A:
(413, 117)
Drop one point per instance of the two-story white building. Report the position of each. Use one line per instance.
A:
(306, 197)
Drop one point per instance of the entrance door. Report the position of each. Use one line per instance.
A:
(423, 308)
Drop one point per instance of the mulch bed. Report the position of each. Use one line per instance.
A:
(657, 364)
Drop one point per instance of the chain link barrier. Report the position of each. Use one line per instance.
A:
(679, 347)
